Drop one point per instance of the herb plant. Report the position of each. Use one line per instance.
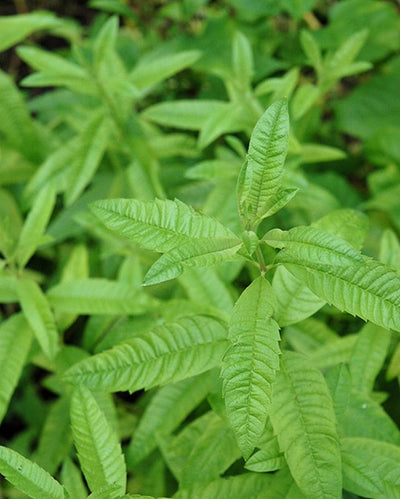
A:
(200, 293)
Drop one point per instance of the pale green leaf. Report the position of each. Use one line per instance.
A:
(55, 439)
(99, 450)
(214, 451)
(184, 114)
(368, 356)
(28, 477)
(104, 44)
(154, 70)
(393, 369)
(350, 225)
(389, 251)
(250, 364)
(320, 153)
(14, 29)
(303, 100)
(233, 117)
(245, 485)
(242, 58)
(269, 456)
(311, 49)
(39, 316)
(20, 130)
(265, 160)
(303, 418)
(97, 296)
(213, 169)
(72, 480)
(35, 225)
(371, 468)
(92, 144)
(15, 342)
(308, 335)
(168, 353)
(160, 225)
(278, 201)
(197, 253)
(337, 273)
(166, 410)
(8, 289)
(335, 352)
(295, 301)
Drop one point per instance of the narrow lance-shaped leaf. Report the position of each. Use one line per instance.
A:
(99, 450)
(35, 224)
(266, 156)
(39, 316)
(337, 273)
(368, 356)
(72, 480)
(28, 477)
(166, 410)
(15, 341)
(158, 225)
(250, 364)
(196, 253)
(166, 354)
(303, 418)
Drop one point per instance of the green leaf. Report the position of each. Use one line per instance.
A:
(8, 289)
(241, 486)
(368, 356)
(184, 114)
(371, 468)
(55, 439)
(15, 342)
(233, 117)
(350, 225)
(92, 144)
(72, 480)
(166, 410)
(389, 251)
(303, 418)
(104, 44)
(311, 49)
(337, 273)
(18, 127)
(97, 296)
(265, 160)
(38, 314)
(250, 364)
(28, 477)
(168, 353)
(153, 70)
(242, 59)
(214, 451)
(99, 450)
(269, 456)
(295, 301)
(335, 352)
(303, 100)
(35, 225)
(197, 253)
(159, 225)
(319, 153)
(14, 29)
(278, 201)
(308, 335)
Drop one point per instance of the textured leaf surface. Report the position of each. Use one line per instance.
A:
(15, 341)
(185, 114)
(214, 451)
(98, 448)
(28, 476)
(39, 315)
(250, 363)
(295, 301)
(35, 224)
(151, 72)
(159, 225)
(368, 356)
(168, 353)
(235, 487)
(337, 273)
(265, 159)
(371, 468)
(97, 296)
(166, 410)
(303, 418)
(198, 253)
(72, 480)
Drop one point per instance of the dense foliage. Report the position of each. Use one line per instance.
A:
(200, 255)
